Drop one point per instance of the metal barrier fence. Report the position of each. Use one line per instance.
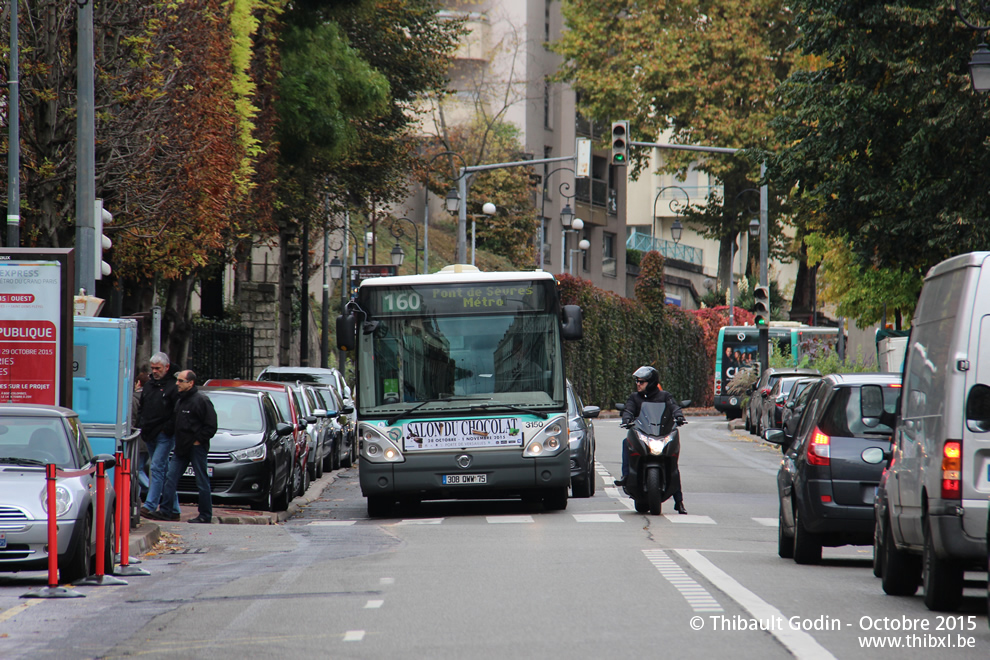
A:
(220, 349)
(668, 249)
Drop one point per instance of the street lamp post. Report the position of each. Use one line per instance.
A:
(583, 245)
(325, 318)
(676, 207)
(754, 231)
(489, 210)
(979, 66)
(397, 255)
(338, 271)
(564, 185)
(451, 201)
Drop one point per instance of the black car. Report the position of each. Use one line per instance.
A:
(796, 401)
(760, 393)
(582, 443)
(830, 471)
(251, 456)
(773, 411)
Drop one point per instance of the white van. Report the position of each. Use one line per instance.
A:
(934, 510)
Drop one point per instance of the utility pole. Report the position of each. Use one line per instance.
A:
(14, 139)
(85, 153)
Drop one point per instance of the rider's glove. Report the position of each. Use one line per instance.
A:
(681, 421)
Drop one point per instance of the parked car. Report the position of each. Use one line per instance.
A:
(582, 443)
(797, 399)
(936, 526)
(340, 432)
(31, 436)
(251, 457)
(293, 412)
(314, 375)
(773, 409)
(829, 474)
(760, 390)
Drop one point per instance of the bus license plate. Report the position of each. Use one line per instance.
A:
(461, 479)
(3, 540)
(192, 473)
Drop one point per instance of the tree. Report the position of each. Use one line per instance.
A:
(885, 141)
(702, 73)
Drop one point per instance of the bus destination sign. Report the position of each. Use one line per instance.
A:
(431, 299)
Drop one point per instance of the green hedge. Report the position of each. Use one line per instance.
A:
(621, 335)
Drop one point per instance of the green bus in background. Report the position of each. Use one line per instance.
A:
(738, 348)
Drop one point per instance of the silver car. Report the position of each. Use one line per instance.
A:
(32, 436)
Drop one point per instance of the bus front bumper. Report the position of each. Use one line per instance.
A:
(432, 476)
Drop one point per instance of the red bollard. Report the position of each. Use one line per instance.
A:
(125, 534)
(52, 590)
(100, 579)
(117, 482)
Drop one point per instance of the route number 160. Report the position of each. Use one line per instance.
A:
(401, 302)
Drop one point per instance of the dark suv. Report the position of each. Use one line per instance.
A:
(830, 471)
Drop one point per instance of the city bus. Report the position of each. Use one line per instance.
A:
(460, 386)
(738, 348)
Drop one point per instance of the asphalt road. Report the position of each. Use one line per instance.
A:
(504, 579)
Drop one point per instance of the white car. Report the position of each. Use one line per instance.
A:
(32, 436)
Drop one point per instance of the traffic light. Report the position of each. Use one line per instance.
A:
(100, 218)
(620, 142)
(761, 305)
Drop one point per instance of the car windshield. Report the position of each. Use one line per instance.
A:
(34, 441)
(237, 412)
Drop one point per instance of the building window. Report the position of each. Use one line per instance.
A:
(608, 254)
(546, 104)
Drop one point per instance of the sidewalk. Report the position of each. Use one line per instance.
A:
(144, 537)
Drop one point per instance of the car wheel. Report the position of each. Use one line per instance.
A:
(280, 501)
(265, 502)
(108, 554)
(785, 545)
(591, 476)
(941, 578)
(379, 506)
(318, 467)
(807, 546)
(899, 570)
(877, 546)
(336, 454)
(581, 487)
(328, 457)
(77, 567)
(555, 499)
(297, 480)
(749, 427)
(348, 459)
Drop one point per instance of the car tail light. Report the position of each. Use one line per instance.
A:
(818, 448)
(952, 470)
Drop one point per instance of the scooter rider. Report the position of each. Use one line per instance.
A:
(648, 389)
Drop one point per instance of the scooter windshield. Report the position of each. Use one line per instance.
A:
(655, 419)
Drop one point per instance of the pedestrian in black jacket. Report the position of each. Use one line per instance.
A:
(195, 425)
(156, 414)
(648, 389)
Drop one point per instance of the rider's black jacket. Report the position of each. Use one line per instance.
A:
(653, 394)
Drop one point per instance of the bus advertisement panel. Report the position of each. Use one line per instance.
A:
(460, 387)
(738, 348)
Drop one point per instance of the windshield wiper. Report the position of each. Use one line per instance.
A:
(509, 406)
(13, 460)
(406, 413)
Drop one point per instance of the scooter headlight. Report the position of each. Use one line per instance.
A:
(656, 445)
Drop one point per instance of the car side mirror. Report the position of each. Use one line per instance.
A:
(108, 460)
(283, 429)
(311, 419)
(590, 412)
(775, 437)
(347, 410)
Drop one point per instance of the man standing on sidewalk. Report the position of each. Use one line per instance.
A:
(195, 425)
(156, 416)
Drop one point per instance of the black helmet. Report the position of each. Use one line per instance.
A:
(649, 374)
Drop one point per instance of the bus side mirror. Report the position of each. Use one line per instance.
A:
(571, 326)
(346, 336)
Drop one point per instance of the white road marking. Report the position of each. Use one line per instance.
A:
(386, 581)
(696, 596)
(767, 522)
(800, 643)
(353, 635)
(421, 521)
(689, 519)
(373, 604)
(597, 518)
(509, 519)
(331, 523)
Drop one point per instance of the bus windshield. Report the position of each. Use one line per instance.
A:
(454, 355)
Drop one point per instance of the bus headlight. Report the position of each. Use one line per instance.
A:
(377, 447)
(549, 440)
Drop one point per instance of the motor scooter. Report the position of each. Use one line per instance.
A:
(654, 446)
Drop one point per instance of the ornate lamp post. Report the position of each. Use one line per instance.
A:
(676, 207)
(979, 66)
(397, 255)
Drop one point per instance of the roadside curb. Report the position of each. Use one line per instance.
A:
(310, 496)
(142, 539)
